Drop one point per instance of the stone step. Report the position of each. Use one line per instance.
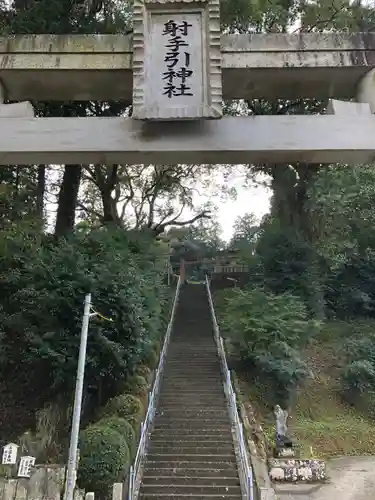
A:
(198, 348)
(219, 391)
(204, 420)
(194, 418)
(182, 389)
(190, 413)
(192, 457)
(217, 402)
(190, 395)
(206, 426)
(197, 424)
(204, 397)
(194, 401)
(195, 489)
(187, 465)
(161, 437)
(158, 480)
(202, 382)
(191, 448)
(180, 352)
(207, 376)
(190, 386)
(185, 472)
(178, 433)
(193, 430)
(196, 345)
(207, 379)
(211, 371)
(208, 354)
(208, 361)
(183, 405)
(185, 376)
(187, 496)
(182, 372)
(177, 352)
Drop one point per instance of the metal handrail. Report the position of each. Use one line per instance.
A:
(245, 469)
(150, 414)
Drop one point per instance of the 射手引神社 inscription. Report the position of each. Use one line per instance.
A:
(177, 59)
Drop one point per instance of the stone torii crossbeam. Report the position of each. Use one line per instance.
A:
(177, 71)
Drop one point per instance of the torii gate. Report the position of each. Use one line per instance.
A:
(181, 69)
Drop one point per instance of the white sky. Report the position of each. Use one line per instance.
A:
(251, 198)
(254, 199)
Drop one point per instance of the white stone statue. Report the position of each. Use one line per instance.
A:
(281, 421)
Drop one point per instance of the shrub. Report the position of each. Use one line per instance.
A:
(104, 456)
(268, 332)
(136, 385)
(144, 371)
(156, 347)
(125, 406)
(358, 375)
(122, 427)
(150, 358)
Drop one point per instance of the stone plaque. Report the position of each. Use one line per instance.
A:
(176, 60)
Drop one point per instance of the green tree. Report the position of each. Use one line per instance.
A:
(44, 286)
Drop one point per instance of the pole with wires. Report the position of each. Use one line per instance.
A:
(73, 447)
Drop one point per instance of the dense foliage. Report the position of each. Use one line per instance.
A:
(42, 307)
(268, 332)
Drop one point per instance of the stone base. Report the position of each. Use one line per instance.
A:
(293, 470)
(286, 452)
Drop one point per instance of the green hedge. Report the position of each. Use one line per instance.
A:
(136, 385)
(125, 406)
(144, 371)
(150, 358)
(122, 427)
(104, 459)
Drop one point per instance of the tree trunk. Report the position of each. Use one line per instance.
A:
(68, 200)
(40, 191)
(108, 209)
(290, 206)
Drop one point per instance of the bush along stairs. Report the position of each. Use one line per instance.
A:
(191, 452)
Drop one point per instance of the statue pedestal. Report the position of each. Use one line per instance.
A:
(286, 452)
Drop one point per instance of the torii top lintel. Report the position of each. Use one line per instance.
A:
(268, 66)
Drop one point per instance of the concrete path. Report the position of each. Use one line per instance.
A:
(350, 478)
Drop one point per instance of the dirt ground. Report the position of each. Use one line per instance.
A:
(350, 478)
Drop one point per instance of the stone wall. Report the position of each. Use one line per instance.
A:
(45, 483)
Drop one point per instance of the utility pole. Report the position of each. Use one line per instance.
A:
(72, 461)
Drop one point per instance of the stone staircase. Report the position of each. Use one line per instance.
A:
(191, 452)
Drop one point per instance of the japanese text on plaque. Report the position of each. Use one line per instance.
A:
(177, 59)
